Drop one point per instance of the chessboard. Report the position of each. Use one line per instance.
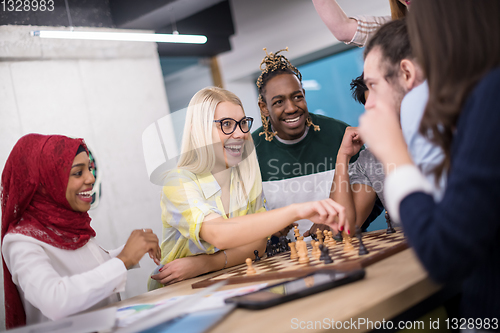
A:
(379, 244)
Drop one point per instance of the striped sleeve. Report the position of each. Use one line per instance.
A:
(367, 25)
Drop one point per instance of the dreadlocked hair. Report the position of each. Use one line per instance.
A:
(272, 65)
(267, 132)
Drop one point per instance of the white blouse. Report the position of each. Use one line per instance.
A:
(55, 283)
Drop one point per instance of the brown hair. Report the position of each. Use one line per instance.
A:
(457, 42)
(394, 43)
(398, 10)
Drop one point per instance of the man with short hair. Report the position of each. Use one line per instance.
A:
(390, 72)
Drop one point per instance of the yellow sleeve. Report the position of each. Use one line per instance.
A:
(184, 206)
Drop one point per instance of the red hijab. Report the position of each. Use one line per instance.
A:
(34, 204)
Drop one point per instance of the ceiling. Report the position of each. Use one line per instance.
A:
(211, 18)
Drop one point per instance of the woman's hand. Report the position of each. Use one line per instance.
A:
(325, 211)
(381, 130)
(181, 269)
(140, 242)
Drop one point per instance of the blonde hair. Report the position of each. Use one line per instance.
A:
(197, 152)
(398, 10)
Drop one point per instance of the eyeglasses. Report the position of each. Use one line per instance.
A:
(228, 125)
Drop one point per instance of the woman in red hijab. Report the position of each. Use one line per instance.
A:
(52, 265)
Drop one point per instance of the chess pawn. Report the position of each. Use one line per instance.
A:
(250, 269)
(269, 248)
(347, 243)
(332, 241)
(320, 236)
(293, 252)
(318, 251)
(325, 256)
(256, 253)
(315, 252)
(325, 234)
(362, 248)
(390, 229)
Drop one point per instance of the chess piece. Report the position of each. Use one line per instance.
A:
(362, 248)
(283, 244)
(269, 248)
(347, 243)
(326, 239)
(302, 251)
(257, 258)
(320, 236)
(315, 251)
(390, 229)
(338, 237)
(332, 241)
(325, 255)
(296, 231)
(293, 252)
(250, 269)
(275, 250)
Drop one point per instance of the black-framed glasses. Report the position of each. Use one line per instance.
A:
(228, 125)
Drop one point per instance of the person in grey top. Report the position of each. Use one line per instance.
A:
(360, 185)
(357, 186)
(367, 170)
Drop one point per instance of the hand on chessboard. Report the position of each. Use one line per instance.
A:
(181, 269)
(284, 231)
(326, 212)
(314, 229)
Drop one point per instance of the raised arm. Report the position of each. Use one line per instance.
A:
(341, 26)
(341, 190)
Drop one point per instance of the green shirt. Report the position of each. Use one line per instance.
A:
(316, 153)
(301, 171)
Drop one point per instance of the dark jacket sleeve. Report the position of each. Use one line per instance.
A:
(458, 234)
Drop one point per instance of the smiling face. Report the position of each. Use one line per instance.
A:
(285, 105)
(81, 179)
(388, 92)
(228, 148)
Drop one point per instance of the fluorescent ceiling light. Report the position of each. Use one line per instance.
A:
(122, 36)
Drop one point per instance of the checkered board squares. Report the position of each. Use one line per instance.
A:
(380, 244)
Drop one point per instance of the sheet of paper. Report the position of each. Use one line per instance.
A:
(131, 313)
(95, 321)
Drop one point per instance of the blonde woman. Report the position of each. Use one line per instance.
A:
(213, 209)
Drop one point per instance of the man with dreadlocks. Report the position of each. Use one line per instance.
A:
(296, 150)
